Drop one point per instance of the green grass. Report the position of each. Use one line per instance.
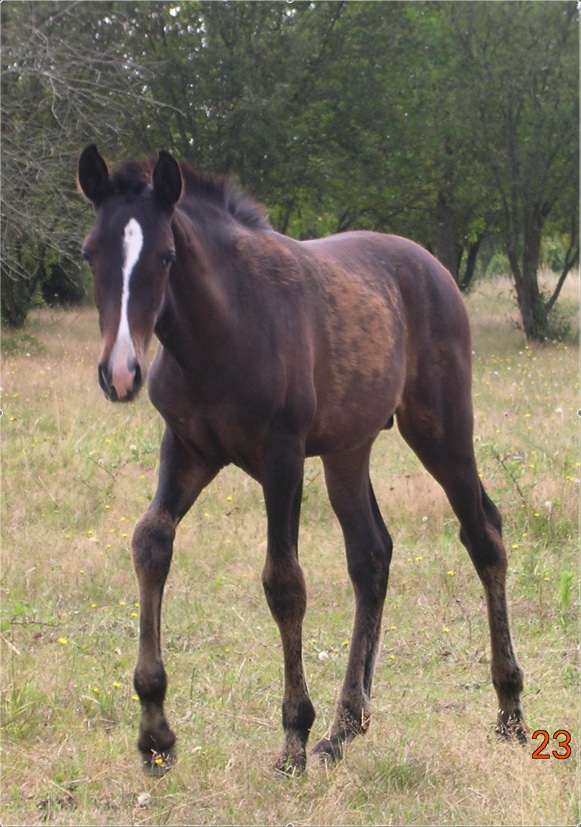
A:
(78, 473)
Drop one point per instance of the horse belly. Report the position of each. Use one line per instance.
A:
(360, 369)
(361, 418)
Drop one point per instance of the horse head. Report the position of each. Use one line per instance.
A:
(130, 250)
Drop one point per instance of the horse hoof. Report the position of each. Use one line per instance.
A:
(328, 751)
(510, 727)
(289, 766)
(157, 764)
(512, 731)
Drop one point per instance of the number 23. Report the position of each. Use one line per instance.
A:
(564, 744)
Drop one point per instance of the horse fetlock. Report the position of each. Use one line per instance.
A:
(510, 721)
(156, 739)
(508, 683)
(298, 717)
(351, 719)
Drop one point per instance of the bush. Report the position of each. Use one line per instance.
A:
(553, 253)
(498, 265)
(63, 286)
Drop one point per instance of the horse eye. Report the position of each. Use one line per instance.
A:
(168, 258)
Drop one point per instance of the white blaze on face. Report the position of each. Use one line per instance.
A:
(123, 354)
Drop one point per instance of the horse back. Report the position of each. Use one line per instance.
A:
(419, 294)
(394, 267)
(395, 325)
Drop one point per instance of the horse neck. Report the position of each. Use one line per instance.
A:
(196, 310)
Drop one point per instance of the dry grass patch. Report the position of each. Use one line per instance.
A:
(77, 473)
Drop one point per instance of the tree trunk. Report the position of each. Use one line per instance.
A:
(446, 249)
(19, 287)
(466, 280)
(571, 258)
(530, 301)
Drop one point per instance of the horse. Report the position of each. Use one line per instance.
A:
(272, 350)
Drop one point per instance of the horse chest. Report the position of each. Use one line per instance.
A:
(222, 431)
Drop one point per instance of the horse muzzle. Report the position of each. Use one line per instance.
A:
(120, 377)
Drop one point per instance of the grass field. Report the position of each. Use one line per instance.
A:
(78, 472)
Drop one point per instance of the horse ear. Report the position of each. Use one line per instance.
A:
(93, 175)
(167, 180)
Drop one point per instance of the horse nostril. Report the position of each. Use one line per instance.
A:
(131, 363)
(105, 381)
(137, 377)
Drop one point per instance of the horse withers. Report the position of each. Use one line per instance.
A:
(272, 350)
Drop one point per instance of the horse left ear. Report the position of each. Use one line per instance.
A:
(167, 180)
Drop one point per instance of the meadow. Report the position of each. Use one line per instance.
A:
(78, 472)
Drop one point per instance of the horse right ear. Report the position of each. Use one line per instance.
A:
(93, 175)
(167, 180)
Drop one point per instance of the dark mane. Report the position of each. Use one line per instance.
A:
(225, 193)
(132, 177)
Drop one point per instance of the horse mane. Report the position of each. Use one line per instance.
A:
(224, 192)
(131, 178)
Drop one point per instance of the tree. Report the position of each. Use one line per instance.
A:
(66, 79)
(522, 60)
(439, 121)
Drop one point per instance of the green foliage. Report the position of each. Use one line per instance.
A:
(66, 80)
(444, 122)
(523, 62)
(63, 287)
(498, 265)
(565, 586)
(554, 252)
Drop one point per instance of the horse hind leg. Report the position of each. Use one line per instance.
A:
(507, 675)
(368, 548)
(444, 446)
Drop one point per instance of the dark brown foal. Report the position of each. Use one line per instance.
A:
(272, 350)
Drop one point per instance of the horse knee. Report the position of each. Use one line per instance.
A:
(285, 589)
(152, 545)
(150, 682)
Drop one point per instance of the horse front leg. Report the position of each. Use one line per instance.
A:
(181, 479)
(285, 590)
(152, 546)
